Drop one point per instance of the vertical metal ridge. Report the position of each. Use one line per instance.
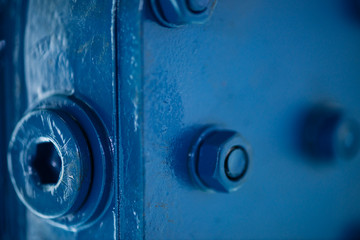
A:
(130, 127)
(116, 118)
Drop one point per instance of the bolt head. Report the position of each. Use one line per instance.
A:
(176, 13)
(329, 133)
(223, 160)
(64, 191)
(67, 127)
(347, 138)
(198, 5)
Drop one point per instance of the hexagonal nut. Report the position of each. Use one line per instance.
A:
(223, 160)
(180, 12)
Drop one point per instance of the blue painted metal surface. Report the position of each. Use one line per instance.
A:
(255, 67)
(12, 222)
(67, 55)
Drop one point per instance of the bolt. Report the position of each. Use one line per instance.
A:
(49, 156)
(198, 5)
(219, 160)
(2, 44)
(55, 152)
(174, 13)
(328, 133)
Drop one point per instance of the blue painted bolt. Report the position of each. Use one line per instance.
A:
(198, 5)
(49, 163)
(175, 13)
(329, 133)
(59, 161)
(2, 44)
(219, 160)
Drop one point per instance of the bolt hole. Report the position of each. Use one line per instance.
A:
(45, 164)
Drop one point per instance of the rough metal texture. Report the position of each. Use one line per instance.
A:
(71, 54)
(254, 68)
(92, 51)
(68, 49)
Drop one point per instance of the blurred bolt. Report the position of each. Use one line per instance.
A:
(329, 133)
(2, 44)
(198, 5)
(174, 13)
(219, 160)
(347, 138)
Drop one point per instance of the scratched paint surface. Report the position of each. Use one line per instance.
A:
(90, 49)
(68, 50)
(71, 54)
(252, 68)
